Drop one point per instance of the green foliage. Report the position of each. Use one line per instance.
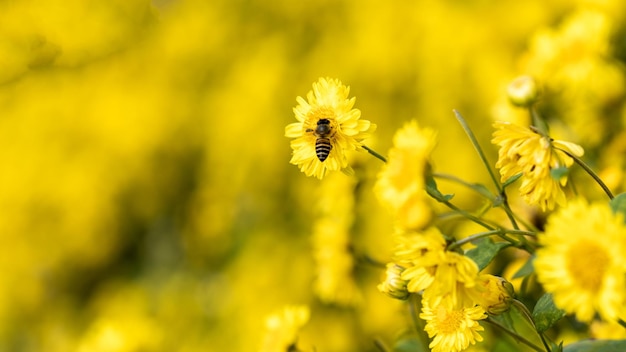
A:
(410, 344)
(618, 204)
(596, 346)
(525, 270)
(433, 191)
(546, 313)
(559, 172)
(484, 252)
(511, 180)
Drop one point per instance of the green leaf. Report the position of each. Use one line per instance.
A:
(485, 251)
(506, 319)
(511, 180)
(433, 191)
(597, 346)
(618, 204)
(482, 189)
(546, 313)
(526, 269)
(558, 173)
(410, 344)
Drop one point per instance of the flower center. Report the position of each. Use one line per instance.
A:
(587, 262)
(449, 321)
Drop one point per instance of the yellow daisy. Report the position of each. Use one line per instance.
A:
(419, 253)
(400, 185)
(583, 261)
(327, 126)
(432, 269)
(535, 156)
(451, 328)
(455, 276)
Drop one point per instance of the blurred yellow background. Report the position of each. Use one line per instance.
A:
(146, 199)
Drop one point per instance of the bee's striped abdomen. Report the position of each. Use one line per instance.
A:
(322, 148)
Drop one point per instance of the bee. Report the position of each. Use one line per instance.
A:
(322, 143)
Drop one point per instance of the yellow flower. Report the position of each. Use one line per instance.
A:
(334, 279)
(432, 269)
(455, 276)
(452, 328)
(394, 286)
(494, 294)
(607, 330)
(327, 127)
(523, 91)
(400, 185)
(583, 261)
(535, 156)
(282, 328)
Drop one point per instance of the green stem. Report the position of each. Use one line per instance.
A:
(507, 209)
(498, 232)
(476, 187)
(526, 313)
(517, 337)
(381, 345)
(415, 305)
(467, 215)
(492, 174)
(471, 238)
(474, 141)
(528, 225)
(374, 153)
(537, 121)
(587, 169)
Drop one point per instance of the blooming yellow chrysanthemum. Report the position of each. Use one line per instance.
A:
(400, 185)
(525, 150)
(432, 269)
(452, 328)
(455, 276)
(327, 127)
(583, 261)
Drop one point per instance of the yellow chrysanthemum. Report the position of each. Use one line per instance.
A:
(455, 276)
(452, 328)
(432, 269)
(282, 328)
(400, 185)
(334, 282)
(493, 293)
(394, 286)
(524, 150)
(583, 261)
(328, 105)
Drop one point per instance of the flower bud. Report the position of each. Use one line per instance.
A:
(495, 294)
(523, 91)
(394, 286)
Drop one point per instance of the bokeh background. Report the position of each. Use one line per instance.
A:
(146, 199)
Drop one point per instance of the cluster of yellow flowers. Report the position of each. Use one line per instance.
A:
(579, 257)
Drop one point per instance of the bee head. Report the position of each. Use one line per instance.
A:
(323, 127)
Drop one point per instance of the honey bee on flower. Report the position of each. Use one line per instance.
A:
(327, 127)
